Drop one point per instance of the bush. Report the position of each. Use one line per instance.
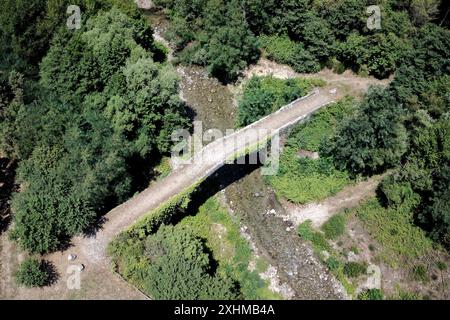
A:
(374, 139)
(306, 232)
(442, 266)
(355, 269)
(419, 273)
(31, 273)
(333, 263)
(334, 227)
(371, 294)
(302, 180)
(172, 263)
(281, 49)
(264, 95)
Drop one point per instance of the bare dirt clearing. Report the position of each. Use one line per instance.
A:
(320, 212)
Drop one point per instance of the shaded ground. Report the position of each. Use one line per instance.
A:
(96, 282)
(7, 187)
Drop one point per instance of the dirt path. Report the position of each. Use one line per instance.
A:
(350, 83)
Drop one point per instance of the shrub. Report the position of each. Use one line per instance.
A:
(31, 273)
(306, 232)
(371, 294)
(400, 240)
(301, 180)
(264, 95)
(281, 49)
(355, 269)
(333, 263)
(442, 266)
(419, 273)
(334, 227)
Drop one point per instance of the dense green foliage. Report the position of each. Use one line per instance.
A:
(264, 95)
(172, 264)
(233, 252)
(190, 260)
(354, 269)
(31, 273)
(181, 269)
(284, 50)
(374, 139)
(304, 34)
(27, 27)
(306, 232)
(213, 33)
(102, 109)
(401, 241)
(300, 178)
(406, 127)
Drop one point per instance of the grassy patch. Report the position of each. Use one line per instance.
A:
(355, 269)
(163, 168)
(317, 238)
(302, 180)
(371, 294)
(401, 241)
(334, 227)
(420, 273)
(322, 125)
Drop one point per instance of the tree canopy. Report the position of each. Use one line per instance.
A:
(102, 107)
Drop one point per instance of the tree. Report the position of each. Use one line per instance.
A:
(423, 11)
(263, 96)
(377, 54)
(11, 101)
(374, 139)
(344, 16)
(422, 183)
(103, 109)
(283, 50)
(32, 274)
(180, 268)
(231, 45)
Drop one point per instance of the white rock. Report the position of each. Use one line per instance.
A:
(71, 257)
